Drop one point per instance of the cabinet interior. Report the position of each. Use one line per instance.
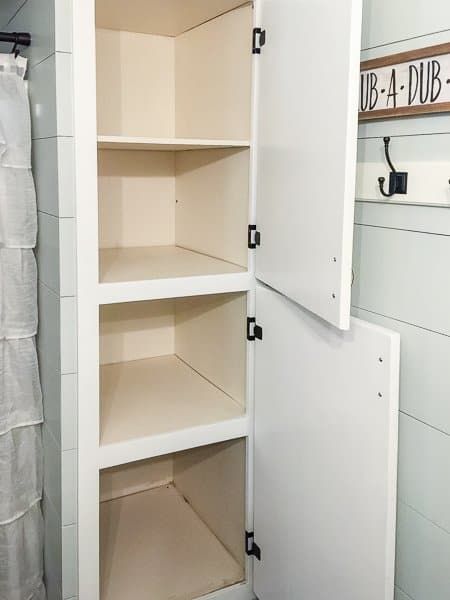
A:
(174, 525)
(171, 83)
(171, 364)
(172, 214)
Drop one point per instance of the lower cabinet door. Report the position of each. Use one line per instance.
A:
(325, 456)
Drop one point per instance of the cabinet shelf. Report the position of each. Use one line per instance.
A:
(159, 405)
(119, 142)
(154, 541)
(128, 274)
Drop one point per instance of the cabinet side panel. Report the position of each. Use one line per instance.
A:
(212, 191)
(212, 479)
(210, 337)
(136, 330)
(136, 198)
(135, 84)
(213, 78)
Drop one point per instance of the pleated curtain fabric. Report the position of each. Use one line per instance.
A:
(21, 460)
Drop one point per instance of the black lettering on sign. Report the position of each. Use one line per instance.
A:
(392, 90)
(368, 91)
(436, 83)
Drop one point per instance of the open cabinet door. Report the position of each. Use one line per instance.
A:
(325, 456)
(307, 77)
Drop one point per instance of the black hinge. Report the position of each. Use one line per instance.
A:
(254, 237)
(252, 549)
(254, 331)
(261, 34)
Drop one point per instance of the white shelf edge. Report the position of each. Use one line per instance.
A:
(111, 142)
(238, 591)
(178, 287)
(121, 453)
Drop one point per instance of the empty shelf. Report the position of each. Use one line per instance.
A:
(147, 397)
(160, 405)
(154, 541)
(112, 142)
(158, 262)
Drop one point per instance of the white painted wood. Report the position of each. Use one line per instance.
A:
(241, 591)
(69, 561)
(51, 97)
(57, 339)
(127, 62)
(306, 151)
(111, 142)
(56, 254)
(385, 24)
(423, 556)
(111, 293)
(69, 475)
(399, 215)
(424, 467)
(325, 455)
(177, 441)
(85, 129)
(423, 157)
(212, 203)
(149, 537)
(158, 262)
(53, 166)
(424, 373)
(158, 395)
(210, 337)
(161, 17)
(135, 477)
(213, 77)
(399, 273)
(213, 480)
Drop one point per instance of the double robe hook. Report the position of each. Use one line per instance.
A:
(398, 181)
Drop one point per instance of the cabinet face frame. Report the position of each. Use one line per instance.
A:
(89, 298)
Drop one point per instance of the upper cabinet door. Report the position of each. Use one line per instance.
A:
(326, 412)
(307, 77)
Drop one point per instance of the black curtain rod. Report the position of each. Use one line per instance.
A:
(18, 39)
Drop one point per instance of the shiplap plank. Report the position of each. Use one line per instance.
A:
(385, 22)
(69, 562)
(403, 275)
(399, 215)
(399, 595)
(424, 470)
(56, 254)
(51, 97)
(424, 372)
(8, 9)
(53, 170)
(425, 158)
(423, 557)
(57, 341)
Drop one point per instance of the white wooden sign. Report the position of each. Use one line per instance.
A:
(409, 83)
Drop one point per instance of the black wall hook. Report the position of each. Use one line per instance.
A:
(398, 181)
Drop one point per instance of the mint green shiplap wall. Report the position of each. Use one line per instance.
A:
(50, 81)
(402, 282)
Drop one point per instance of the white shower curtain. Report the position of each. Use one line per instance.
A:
(21, 525)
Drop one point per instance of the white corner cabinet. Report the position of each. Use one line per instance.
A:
(237, 428)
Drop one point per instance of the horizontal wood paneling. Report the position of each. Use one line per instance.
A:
(424, 372)
(403, 216)
(403, 275)
(385, 22)
(56, 254)
(424, 157)
(423, 557)
(53, 170)
(424, 470)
